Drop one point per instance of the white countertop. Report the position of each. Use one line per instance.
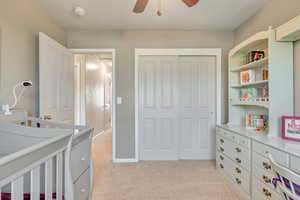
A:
(287, 146)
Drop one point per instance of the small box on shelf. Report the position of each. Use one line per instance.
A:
(255, 56)
(256, 122)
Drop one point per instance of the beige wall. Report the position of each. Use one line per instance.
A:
(275, 13)
(20, 22)
(125, 42)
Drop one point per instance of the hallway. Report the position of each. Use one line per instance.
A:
(176, 180)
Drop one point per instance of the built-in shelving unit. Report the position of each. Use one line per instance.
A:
(289, 31)
(278, 62)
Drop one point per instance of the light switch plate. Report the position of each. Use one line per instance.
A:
(119, 100)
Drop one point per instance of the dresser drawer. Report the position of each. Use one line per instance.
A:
(82, 186)
(233, 137)
(263, 163)
(295, 164)
(222, 162)
(220, 140)
(243, 161)
(241, 177)
(80, 158)
(223, 145)
(241, 156)
(264, 150)
(223, 133)
(264, 176)
(261, 191)
(244, 141)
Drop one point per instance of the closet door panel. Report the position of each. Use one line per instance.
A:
(197, 103)
(157, 102)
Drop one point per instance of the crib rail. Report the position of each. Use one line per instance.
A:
(52, 156)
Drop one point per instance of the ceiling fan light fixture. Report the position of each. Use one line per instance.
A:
(79, 11)
(190, 3)
(141, 5)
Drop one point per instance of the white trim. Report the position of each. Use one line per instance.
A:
(120, 160)
(178, 52)
(113, 52)
(95, 136)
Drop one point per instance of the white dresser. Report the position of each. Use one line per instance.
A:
(81, 166)
(242, 158)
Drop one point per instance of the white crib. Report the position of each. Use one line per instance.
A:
(35, 159)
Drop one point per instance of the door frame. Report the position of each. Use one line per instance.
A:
(113, 52)
(217, 52)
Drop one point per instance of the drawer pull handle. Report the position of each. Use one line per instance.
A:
(221, 157)
(238, 170)
(266, 165)
(266, 179)
(238, 160)
(83, 159)
(82, 190)
(221, 149)
(222, 141)
(221, 166)
(238, 181)
(267, 193)
(238, 150)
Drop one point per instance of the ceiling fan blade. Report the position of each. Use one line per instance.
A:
(190, 3)
(140, 6)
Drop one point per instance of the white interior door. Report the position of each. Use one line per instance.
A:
(177, 107)
(158, 105)
(108, 101)
(197, 106)
(56, 81)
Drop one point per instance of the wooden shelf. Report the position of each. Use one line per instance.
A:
(264, 104)
(252, 65)
(256, 84)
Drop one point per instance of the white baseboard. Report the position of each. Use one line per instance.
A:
(120, 160)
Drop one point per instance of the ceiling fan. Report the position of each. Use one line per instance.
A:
(141, 5)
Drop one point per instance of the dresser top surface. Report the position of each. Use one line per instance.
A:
(290, 147)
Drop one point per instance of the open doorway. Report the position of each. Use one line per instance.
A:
(94, 96)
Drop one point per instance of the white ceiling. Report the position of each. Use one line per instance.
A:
(117, 14)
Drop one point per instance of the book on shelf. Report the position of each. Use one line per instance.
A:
(247, 76)
(265, 74)
(254, 94)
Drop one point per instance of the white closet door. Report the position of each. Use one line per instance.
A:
(56, 81)
(177, 107)
(158, 103)
(197, 106)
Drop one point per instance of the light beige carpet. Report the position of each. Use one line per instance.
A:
(176, 180)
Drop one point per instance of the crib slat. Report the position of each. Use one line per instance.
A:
(48, 179)
(17, 188)
(59, 176)
(35, 184)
